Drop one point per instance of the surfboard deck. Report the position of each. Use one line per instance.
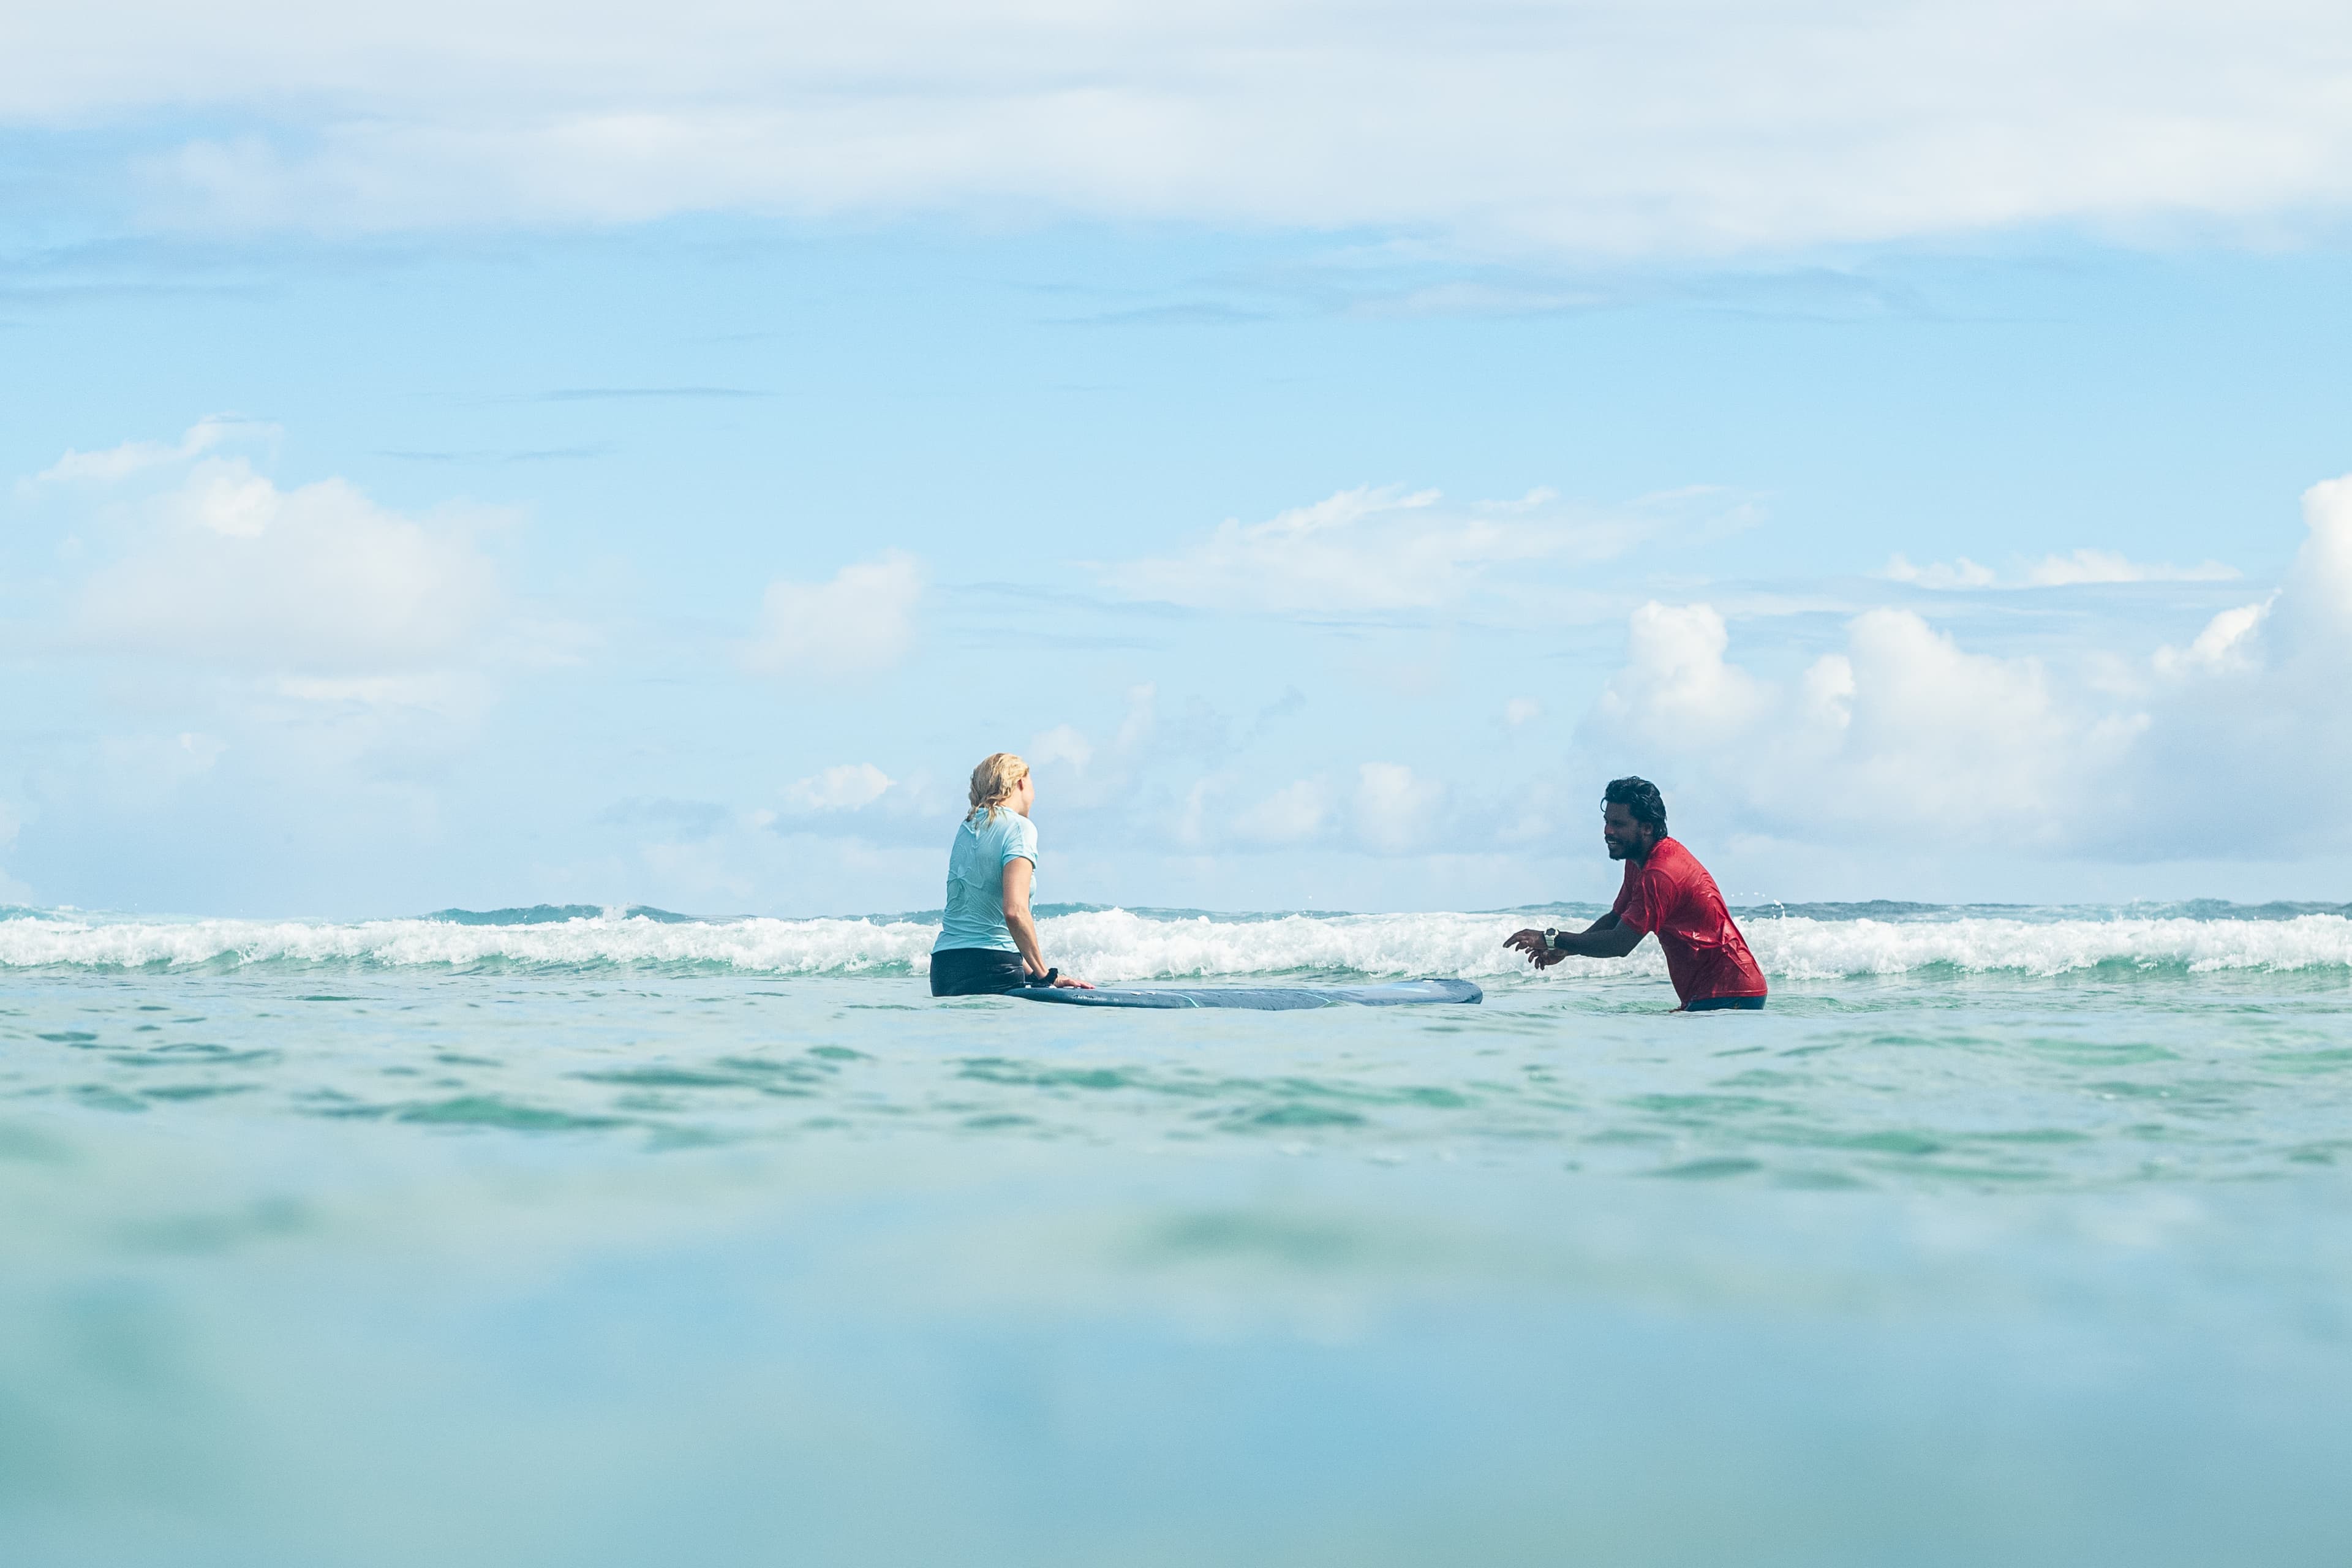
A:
(1264, 998)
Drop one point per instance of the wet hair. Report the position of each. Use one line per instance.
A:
(994, 782)
(1641, 800)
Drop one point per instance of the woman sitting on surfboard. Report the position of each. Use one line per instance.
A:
(988, 943)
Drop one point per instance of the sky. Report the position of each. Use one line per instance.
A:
(615, 455)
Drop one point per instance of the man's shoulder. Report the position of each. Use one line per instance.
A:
(1686, 871)
(1673, 860)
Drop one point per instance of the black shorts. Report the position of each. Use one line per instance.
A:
(1719, 1004)
(976, 972)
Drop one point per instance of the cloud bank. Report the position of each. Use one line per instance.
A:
(2233, 745)
(1384, 548)
(315, 578)
(858, 621)
(1619, 127)
(227, 568)
(2077, 569)
(112, 464)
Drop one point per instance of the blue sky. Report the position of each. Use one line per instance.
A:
(658, 476)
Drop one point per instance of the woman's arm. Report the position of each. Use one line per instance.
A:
(1019, 874)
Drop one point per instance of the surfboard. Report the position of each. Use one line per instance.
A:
(1265, 998)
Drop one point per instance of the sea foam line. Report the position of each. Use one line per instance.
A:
(1115, 944)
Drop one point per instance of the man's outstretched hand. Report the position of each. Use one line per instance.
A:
(1532, 942)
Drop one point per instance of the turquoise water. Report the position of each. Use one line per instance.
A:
(2011, 1236)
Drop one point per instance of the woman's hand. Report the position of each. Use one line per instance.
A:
(1071, 982)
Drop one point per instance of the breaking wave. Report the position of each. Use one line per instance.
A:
(1121, 944)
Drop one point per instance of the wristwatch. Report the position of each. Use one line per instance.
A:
(1552, 939)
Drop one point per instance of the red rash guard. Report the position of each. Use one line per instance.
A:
(1671, 894)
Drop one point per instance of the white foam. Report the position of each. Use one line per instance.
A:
(790, 947)
(1115, 944)
(1802, 948)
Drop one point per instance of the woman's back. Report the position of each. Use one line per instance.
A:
(975, 899)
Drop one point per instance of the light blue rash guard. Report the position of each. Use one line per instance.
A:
(975, 912)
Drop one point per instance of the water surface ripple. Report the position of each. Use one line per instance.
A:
(612, 1262)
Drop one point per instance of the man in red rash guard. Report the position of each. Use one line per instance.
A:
(1667, 892)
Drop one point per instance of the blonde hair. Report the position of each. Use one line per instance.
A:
(994, 782)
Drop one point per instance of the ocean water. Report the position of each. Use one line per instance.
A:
(566, 1236)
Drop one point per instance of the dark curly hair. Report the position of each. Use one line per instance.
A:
(1640, 798)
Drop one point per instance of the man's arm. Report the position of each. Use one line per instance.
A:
(1607, 937)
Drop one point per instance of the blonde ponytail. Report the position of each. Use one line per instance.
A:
(994, 782)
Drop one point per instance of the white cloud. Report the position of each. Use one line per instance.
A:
(2316, 601)
(2109, 566)
(851, 787)
(1078, 773)
(1675, 680)
(1960, 574)
(1061, 745)
(1521, 711)
(318, 578)
(1389, 549)
(1973, 743)
(1142, 707)
(1192, 822)
(1395, 807)
(2227, 642)
(2081, 567)
(453, 693)
(11, 891)
(2302, 633)
(121, 462)
(1904, 737)
(1291, 815)
(1902, 731)
(2253, 711)
(1614, 126)
(860, 622)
